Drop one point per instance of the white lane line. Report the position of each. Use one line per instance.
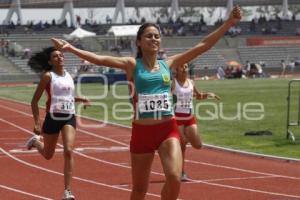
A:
(239, 178)
(186, 160)
(128, 127)
(102, 137)
(241, 170)
(81, 149)
(23, 192)
(200, 181)
(195, 181)
(76, 152)
(245, 189)
(80, 130)
(61, 174)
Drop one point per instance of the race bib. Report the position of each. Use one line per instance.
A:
(184, 103)
(64, 105)
(154, 102)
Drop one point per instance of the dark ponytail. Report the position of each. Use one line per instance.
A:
(39, 62)
(140, 32)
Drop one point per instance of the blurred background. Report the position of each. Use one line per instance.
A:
(262, 45)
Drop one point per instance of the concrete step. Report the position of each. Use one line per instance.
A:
(7, 65)
(230, 54)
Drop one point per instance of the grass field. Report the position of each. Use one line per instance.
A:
(245, 105)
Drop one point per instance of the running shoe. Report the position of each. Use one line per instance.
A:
(30, 142)
(184, 177)
(68, 195)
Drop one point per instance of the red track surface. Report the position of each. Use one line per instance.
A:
(102, 167)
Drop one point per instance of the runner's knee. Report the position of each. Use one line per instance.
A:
(173, 179)
(197, 145)
(68, 151)
(48, 155)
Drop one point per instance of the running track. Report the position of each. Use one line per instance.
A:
(102, 167)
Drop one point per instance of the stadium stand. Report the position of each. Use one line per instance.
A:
(72, 64)
(7, 67)
(271, 56)
(227, 49)
(140, 3)
(178, 36)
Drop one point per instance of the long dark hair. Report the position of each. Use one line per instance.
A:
(39, 62)
(140, 32)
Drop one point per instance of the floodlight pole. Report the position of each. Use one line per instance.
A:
(15, 7)
(68, 8)
(229, 8)
(138, 13)
(174, 9)
(120, 7)
(285, 9)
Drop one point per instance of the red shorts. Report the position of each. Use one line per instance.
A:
(147, 138)
(184, 119)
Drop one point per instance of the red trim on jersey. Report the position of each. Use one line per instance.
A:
(49, 95)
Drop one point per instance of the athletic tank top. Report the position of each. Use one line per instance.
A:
(183, 97)
(152, 91)
(60, 92)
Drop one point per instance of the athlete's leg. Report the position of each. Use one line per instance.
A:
(47, 147)
(192, 136)
(183, 142)
(68, 137)
(171, 159)
(140, 170)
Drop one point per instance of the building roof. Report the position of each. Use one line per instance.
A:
(139, 3)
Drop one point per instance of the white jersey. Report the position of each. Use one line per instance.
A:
(60, 93)
(184, 97)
